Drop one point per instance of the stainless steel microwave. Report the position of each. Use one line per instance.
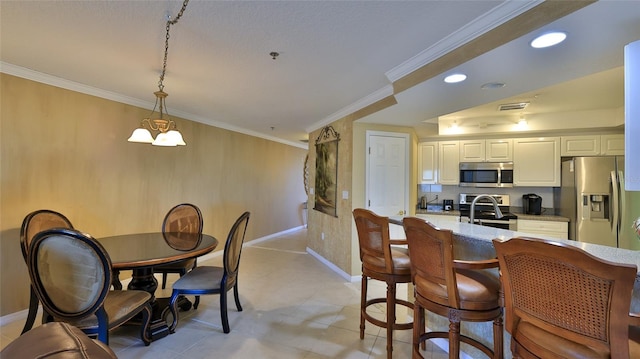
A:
(486, 174)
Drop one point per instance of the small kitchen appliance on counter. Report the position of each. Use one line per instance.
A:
(423, 202)
(447, 205)
(531, 204)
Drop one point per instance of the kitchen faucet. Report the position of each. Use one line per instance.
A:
(472, 211)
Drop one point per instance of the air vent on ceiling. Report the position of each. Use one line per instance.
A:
(512, 106)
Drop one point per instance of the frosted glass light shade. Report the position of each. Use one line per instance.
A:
(176, 137)
(165, 140)
(141, 135)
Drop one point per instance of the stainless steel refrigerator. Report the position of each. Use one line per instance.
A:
(592, 196)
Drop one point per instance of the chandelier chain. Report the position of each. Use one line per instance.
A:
(166, 42)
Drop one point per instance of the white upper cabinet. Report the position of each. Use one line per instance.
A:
(494, 150)
(428, 162)
(472, 151)
(499, 150)
(536, 162)
(612, 145)
(592, 145)
(448, 162)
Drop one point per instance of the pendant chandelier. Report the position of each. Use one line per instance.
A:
(159, 121)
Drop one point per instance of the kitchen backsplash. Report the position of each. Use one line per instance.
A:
(453, 192)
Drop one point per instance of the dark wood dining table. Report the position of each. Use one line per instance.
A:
(140, 252)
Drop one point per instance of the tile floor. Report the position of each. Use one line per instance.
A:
(294, 307)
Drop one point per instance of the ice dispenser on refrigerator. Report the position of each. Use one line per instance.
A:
(595, 207)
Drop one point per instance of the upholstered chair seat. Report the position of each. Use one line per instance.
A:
(56, 341)
(476, 290)
(399, 257)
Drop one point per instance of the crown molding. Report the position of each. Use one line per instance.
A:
(356, 106)
(51, 80)
(490, 20)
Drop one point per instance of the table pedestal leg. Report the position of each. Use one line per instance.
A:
(143, 279)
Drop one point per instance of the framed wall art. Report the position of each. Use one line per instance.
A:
(326, 191)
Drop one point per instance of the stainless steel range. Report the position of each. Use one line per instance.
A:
(484, 213)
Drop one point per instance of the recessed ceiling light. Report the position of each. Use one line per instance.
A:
(451, 79)
(548, 39)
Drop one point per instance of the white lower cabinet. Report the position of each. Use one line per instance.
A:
(553, 229)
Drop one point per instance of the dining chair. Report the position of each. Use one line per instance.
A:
(33, 223)
(56, 340)
(384, 262)
(71, 274)
(459, 290)
(562, 302)
(214, 280)
(183, 218)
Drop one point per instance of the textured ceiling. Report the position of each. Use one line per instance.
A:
(335, 56)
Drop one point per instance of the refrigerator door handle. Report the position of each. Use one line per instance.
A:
(616, 198)
(621, 197)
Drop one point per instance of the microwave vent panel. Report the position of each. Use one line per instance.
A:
(513, 106)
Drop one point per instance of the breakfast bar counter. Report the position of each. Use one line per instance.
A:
(474, 242)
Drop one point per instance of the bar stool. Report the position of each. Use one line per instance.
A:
(385, 263)
(455, 289)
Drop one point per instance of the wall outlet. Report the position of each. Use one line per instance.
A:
(322, 236)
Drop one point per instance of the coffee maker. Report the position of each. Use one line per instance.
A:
(447, 205)
(531, 204)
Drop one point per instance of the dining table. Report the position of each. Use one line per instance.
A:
(140, 252)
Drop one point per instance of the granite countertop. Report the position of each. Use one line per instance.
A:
(485, 234)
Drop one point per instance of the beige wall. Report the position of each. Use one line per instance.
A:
(340, 244)
(67, 151)
(336, 246)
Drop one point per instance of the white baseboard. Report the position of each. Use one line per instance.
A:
(332, 266)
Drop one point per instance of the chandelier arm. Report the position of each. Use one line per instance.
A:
(149, 123)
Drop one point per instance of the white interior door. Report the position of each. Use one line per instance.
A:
(387, 167)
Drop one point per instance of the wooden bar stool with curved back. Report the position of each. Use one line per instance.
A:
(71, 274)
(183, 218)
(562, 302)
(33, 223)
(455, 289)
(385, 263)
